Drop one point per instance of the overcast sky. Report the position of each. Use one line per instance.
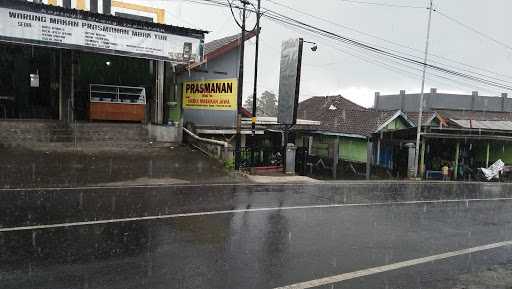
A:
(340, 69)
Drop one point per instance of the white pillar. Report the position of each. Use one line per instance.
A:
(158, 104)
(243, 140)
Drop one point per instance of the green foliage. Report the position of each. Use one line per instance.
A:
(266, 104)
(229, 165)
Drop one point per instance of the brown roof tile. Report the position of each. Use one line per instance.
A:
(340, 115)
(425, 119)
(225, 44)
(313, 108)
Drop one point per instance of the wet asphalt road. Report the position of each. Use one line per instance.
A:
(263, 249)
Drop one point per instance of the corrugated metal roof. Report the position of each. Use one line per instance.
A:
(270, 120)
(474, 115)
(484, 124)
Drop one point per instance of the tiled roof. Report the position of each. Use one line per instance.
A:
(313, 108)
(226, 43)
(339, 115)
(358, 122)
(221, 46)
(218, 43)
(425, 119)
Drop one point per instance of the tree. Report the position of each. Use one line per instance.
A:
(266, 104)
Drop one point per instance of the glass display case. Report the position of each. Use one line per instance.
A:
(117, 103)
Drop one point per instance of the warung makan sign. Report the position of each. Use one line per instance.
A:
(68, 32)
(210, 94)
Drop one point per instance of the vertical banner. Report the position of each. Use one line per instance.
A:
(289, 81)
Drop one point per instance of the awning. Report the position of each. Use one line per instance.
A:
(269, 120)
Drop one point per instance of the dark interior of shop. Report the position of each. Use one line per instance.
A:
(30, 77)
(29, 82)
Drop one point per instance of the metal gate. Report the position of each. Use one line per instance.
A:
(254, 157)
(302, 161)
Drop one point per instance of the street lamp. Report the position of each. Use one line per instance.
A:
(314, 47)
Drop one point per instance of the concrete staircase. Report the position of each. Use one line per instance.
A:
(51, 154)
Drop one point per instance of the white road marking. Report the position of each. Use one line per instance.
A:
(395, 266)
(184, 215)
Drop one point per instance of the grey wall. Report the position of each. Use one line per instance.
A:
(434, 100)
(388, 102)
(451, 101)
(223, 67)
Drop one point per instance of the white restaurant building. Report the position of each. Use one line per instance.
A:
(91, 60)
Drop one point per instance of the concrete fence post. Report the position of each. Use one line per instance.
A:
(219, 153)
(411, 167)
(369, 159)
(291, 151)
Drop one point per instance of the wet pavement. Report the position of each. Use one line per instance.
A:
(126, 164)
(254, 236)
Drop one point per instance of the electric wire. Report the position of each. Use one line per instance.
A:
(381, 4)
(328, 34)
(217, 4)
(385, 64)
(401, 71)
(376, 50)
(403, 46)
(468, 27)
(283, 19)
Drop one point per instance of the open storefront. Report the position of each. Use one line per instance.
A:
(71, 65)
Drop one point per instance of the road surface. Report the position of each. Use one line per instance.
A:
(259, 244)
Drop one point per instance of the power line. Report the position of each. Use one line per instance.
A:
(488, 37)
(399, 70)
(403, 70)
(283, 19)
(381, 4)
(376, 50)
(401, 45)
(325, 33)
(382, 64)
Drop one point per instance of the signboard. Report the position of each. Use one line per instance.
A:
(289, 81)
(71, 31)
(218, 94)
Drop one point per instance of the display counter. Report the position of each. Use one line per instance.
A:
(117, 103)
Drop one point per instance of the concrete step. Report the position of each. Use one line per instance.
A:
(30, 133)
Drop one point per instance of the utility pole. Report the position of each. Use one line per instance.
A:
(420, 114)
(240, 91)
(255, 88)
(256, 58)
